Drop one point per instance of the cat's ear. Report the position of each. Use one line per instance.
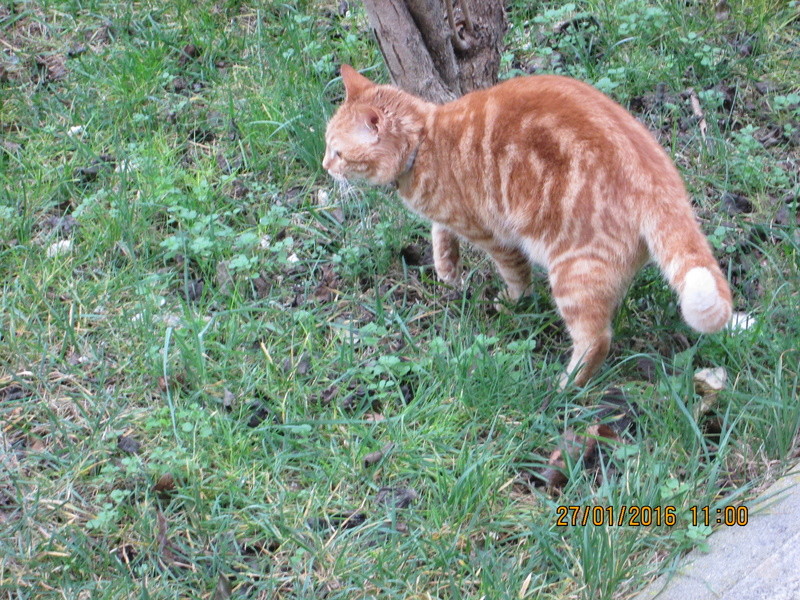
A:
(354, 82)
(372, 119)
(369, 125)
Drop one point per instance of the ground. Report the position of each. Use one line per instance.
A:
(220, 378)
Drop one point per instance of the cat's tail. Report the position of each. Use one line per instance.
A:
(684, 255)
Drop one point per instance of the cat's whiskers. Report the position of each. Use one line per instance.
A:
(346, 191)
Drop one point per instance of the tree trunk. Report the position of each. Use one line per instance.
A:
(439, 49)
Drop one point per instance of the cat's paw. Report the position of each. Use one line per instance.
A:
(449, 273)
(505, 301)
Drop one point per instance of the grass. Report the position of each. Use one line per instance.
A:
(189, 390)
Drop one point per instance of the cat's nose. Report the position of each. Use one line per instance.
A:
(326, 162)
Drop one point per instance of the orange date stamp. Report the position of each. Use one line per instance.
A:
(648, 516)
(619, 516)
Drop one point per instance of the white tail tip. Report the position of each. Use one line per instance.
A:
(702, 306)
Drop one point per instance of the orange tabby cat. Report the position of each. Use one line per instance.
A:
(536, 170)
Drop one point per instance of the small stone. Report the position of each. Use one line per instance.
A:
(59, 248)
(228, 399)
(741, 321)
(708, 383)
(171, 320)
(126, 165)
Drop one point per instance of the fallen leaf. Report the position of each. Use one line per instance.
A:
(574, 447)
(189, 52)
(52, 66)
(697, 111)
(165, 549)
(224, 279)
(375, 457)
(63, 225)
(328, 394)
(603, 433)
(397, 497)
(354, 399)
(128, 444)
(735, 203)
(193, 289)
(263, 286)
(770, 135)
(302, 367)
(722, 10)
(88, 174)
(345, 520)
(647, 368)
(126, 553)
(165, 483)
(766, 87)
(616, 411)
(223, 589)
(261, 412)
(13, 392)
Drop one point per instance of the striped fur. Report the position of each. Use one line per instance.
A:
(537, 170)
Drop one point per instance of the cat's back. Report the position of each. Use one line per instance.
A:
(550, 93)
(559, 112)
(563, 100)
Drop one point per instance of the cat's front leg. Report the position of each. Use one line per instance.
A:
(446, 255)
(514, 267)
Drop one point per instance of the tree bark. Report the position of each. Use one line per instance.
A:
(438, 52)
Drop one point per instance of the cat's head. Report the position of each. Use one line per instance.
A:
(373, 133)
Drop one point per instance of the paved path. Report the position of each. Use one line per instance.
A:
(760, 561)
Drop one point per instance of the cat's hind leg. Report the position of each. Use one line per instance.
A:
(446, 254)
(587, 291)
